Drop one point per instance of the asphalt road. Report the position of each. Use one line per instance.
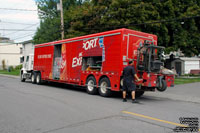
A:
(57, 108)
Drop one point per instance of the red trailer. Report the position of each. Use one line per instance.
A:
(96, 61)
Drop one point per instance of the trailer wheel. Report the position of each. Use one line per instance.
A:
(38, 78)
(139, 93)
(33, 77)
(91, 85)
(121, 82)
(22, 77)
(163, 86)
(103, 87)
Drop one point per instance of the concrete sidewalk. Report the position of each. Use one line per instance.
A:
(185, 92)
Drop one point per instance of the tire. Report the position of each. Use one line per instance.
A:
(163, 86)
(121, 82)
(104, 91)
(33, 77)
(22, 77)
(38, 78)
(91, 85)
(139, 94)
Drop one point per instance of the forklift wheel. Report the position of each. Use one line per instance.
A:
(163, 86)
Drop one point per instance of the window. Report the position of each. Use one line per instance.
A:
(27, 58)
(93, 63)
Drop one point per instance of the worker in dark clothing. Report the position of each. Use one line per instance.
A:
(128, 84)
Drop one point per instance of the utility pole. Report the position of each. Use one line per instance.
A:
(62, 20)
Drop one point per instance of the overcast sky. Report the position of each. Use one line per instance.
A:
(8, 18)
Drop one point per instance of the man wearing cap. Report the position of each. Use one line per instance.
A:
(128, 84)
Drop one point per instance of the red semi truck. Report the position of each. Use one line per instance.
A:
(96, 61)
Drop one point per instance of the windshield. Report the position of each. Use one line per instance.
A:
(27, 58)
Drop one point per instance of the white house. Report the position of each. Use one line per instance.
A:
(192, 63)
(10, 53)
(184, 65)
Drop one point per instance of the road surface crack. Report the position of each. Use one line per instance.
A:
(81, 123)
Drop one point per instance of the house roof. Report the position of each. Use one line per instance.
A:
(26, 42)
(190, 58)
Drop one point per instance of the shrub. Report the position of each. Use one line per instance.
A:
(10, 68)
(18, 67)
(4, 64)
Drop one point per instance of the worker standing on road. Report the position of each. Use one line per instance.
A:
(128, 84)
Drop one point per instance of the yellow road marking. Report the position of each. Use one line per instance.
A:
(155, 119)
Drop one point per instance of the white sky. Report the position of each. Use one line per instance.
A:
(29, 18)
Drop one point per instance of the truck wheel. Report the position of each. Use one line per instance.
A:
(38, 78)
(163, 86)
(22, 77)
(121, 82)
(103, 87)
(139, 93)
(91, 85)
(33, 77)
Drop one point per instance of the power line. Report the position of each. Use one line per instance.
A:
(14, 23)
(17, 30)
(24, 34)
(23, 37)
(17, 9)
(131, 24)
(22, 29)
(169, 20)
(145, 23)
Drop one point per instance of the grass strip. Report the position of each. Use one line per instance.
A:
(14, 72)
(186, 80)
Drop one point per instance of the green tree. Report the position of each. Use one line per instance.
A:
(175, 22)
(49, 29)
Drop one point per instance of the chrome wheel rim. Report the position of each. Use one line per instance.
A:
(32, 78)
(103, 87)
(121, 82)
(38, 79)
(90, 85)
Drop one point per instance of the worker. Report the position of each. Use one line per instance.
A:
(128, 84)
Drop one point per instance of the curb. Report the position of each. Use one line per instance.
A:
(9, 76)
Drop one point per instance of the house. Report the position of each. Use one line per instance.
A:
(184, 65)
(5, 40)
(10, 53)
(192, 63)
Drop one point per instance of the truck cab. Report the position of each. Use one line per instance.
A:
(27, 61)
